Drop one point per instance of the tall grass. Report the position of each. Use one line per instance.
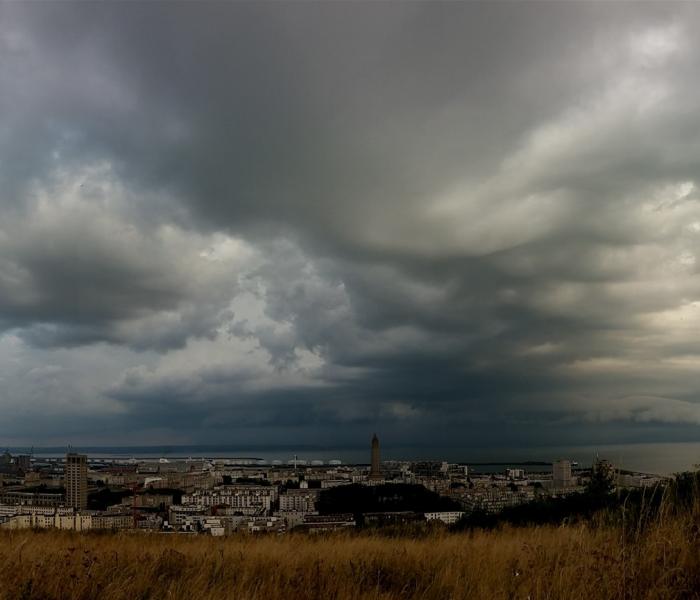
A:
(631, 554)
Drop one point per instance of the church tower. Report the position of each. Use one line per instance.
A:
(375, 472)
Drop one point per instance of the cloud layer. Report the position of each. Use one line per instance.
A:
(471, 223)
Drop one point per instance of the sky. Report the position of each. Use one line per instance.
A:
(453, 223)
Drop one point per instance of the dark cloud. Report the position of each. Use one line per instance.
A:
(75, 271)
(471, 221)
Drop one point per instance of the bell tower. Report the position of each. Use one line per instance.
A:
(375, 472)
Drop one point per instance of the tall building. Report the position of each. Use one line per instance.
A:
(375, 472)
(561, 473)
(76, 481)
(24, 462)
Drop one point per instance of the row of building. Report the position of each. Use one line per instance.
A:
(217, 496)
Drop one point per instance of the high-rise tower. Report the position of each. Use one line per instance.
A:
(76, 481)
(375, 472)
(561, 473)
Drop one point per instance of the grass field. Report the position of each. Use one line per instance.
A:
(661, 560)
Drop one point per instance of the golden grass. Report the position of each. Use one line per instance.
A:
(537, 562)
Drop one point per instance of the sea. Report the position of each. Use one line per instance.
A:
(657, 458)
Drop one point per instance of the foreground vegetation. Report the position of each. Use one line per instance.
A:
(647, 547)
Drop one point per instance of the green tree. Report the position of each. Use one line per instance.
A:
(602, 481)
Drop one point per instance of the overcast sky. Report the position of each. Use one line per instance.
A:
(450, 223)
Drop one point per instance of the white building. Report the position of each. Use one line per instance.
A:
(293, 519)
(178, 515)
(73, 522)
(214, 527)
(248, 499)
(515, 474)
(637, 480)
(331, 483)
(561, 473)
(11, 510)
(301, 500)
(447, 516)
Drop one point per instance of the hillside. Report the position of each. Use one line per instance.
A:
(587, 560)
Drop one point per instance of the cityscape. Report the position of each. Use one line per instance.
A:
(219, 497)
(349, 300)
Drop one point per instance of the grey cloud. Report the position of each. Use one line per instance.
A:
(462, 216)
(75, 270)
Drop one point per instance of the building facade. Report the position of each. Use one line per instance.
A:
(375, 472)
(448, 517)
(561, 473)
(76, 481)
(301, 500)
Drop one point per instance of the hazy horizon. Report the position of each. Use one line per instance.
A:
(654, 458)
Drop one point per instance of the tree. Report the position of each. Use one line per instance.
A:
(602, 481)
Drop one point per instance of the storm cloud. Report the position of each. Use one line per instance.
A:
(476, 223)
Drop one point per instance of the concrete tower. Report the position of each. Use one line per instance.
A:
(375, 472)
(561, 473)
(76, 481)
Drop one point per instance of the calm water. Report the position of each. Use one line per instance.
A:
(662, 458)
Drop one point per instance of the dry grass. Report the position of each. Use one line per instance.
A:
(538, 562)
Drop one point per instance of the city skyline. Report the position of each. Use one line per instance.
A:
(461, 225)
(221, 497)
